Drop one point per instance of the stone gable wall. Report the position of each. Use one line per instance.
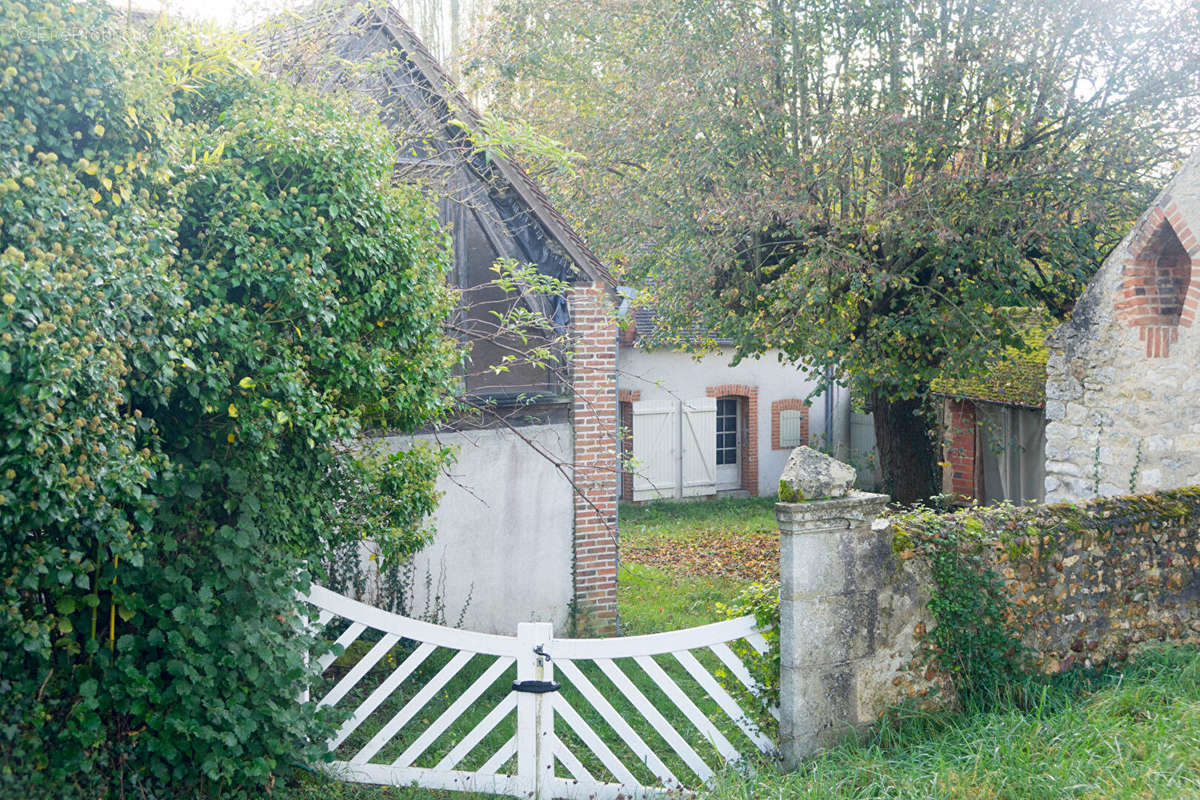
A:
(1122, 383)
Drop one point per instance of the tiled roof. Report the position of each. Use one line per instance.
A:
(650, 333)
(1015, 377)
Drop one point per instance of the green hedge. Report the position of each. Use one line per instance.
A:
(206, 279)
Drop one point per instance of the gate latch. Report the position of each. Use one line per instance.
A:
(535, 687)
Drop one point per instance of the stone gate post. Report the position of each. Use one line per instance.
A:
(831, 566)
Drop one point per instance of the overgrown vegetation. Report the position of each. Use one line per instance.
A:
(973, 640)
(207, 280)
(1128, 734)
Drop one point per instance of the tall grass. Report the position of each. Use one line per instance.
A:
(1134, 734)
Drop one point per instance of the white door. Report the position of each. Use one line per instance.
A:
(728, 444)
(655, 450)
(699, 450)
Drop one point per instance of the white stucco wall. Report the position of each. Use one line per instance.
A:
(504, 529)
(662, 375)
(1116, 418)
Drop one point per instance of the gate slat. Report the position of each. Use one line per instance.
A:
(735, 666)
(757, 641)
(574, 765)
(410, 709)
(345, 640)
(451, 714)
(381, 693)
(663, 728)
(607, 757)
(351, 678)
(500, 757)
(689, 709)
(640, 749)
(722, 698)
(739, 670)
(485, 726)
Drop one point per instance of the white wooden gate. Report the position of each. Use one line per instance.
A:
(675, 448)
(534, 715)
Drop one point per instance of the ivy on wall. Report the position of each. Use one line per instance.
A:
(1028, 591)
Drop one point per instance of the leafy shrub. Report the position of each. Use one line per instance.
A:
(761, 600)
(206, 283)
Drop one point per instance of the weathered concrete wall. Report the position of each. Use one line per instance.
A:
(849, 614)
(504, 529)
(1121, 384)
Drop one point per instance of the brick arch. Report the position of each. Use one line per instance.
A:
(749, 395)
(1160, 287)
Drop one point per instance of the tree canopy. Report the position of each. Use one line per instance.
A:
(862, 185)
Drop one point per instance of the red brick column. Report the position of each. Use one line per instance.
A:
(958, 473)
(596, 468)
(749, 395)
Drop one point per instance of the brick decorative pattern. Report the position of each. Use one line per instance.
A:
(596, 468)
(1158, 294)
(749, 422)
(788, 404)
(958, 449)
(625, 401)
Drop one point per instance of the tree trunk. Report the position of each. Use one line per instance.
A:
(907, 456)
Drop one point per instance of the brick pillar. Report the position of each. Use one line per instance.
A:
(596, 468)
(958, 472)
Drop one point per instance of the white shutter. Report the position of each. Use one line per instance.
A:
(699, 447)
(655, 450)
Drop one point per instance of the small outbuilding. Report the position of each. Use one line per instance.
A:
(993, 423)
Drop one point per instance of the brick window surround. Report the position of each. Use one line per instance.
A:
(788, 404)
(959, 439)
(596, 467)
(749, 421)
(1159, 291)
(625, 401)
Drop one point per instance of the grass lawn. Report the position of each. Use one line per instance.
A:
(678, 560)
(1136, 735)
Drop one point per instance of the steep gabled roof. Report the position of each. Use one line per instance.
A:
(498, 170)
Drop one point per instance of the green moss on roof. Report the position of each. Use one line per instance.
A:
(1015, 377)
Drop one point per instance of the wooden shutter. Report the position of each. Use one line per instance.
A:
(699, 452)
(655, 450)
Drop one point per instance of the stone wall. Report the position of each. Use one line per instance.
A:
(1083, 585)
(1088, 584)
(1121, 377)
